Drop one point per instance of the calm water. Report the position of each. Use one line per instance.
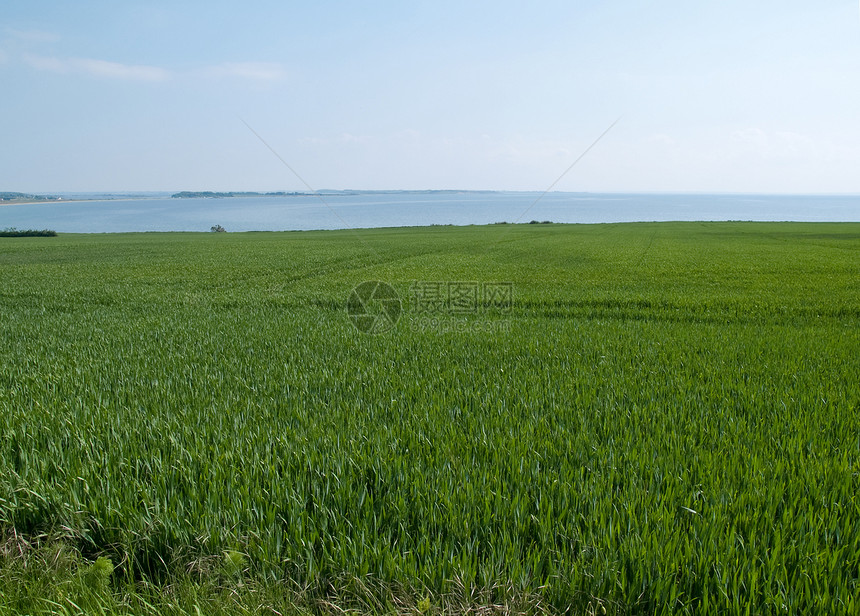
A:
(161, 213)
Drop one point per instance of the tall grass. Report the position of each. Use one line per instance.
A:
(668, 425)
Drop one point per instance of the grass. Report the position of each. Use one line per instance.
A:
(666, 422)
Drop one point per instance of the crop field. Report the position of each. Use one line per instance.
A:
(586, 419)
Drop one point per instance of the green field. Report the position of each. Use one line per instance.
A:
(664, 420)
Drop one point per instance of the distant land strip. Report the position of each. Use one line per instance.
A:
(207, 194)
(17, 196)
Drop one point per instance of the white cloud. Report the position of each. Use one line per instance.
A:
(262, 72)
(103, 68)
(350, 138)
(46, 64)
(754, 137)
(779, 144)
(663, 139)
(98, 68)
(31, 36)
(254, 71)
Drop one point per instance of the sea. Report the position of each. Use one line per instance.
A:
(131, 212)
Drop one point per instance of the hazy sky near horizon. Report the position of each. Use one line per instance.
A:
(730, 96)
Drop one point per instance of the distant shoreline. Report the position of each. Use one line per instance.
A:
(29, 198)
(41, 199)
(64, 200)
(208, 194)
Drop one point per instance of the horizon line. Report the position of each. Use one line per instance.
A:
(450, 190)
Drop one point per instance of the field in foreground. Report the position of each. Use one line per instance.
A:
(664, 420)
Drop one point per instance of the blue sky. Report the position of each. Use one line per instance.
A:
(725, 96)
